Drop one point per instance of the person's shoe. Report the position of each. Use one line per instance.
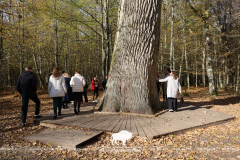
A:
(72, 102)
(59, 113)
(63, 107)
(96, 100)
(66, 106)
(76, 112)
(55, 115)
(170, 110)
(37, 116)
(175, 111)
(23, 125)
(93, 101)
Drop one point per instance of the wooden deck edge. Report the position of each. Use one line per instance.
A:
(196, 127)
(79, 146)
(133, 114)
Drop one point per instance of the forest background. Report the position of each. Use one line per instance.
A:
(199, 39)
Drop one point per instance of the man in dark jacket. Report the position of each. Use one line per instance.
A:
(27, 86)
(104, 83)
(85, 92)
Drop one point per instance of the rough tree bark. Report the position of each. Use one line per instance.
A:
(132, 82)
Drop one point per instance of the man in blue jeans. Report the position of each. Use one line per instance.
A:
(27, 86)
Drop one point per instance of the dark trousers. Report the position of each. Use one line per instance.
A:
(25, 99)
(164, 97)
(85, 95)
(172, 104)
(57, 104)
(95, 93)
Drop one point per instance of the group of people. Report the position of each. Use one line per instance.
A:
(61, 88)
(171, 85)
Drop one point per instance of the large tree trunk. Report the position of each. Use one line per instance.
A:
(132, 82)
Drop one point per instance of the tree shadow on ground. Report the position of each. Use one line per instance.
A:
(221, 101)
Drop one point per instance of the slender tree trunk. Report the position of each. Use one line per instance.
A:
(1, 39)
(106, 6)
(172, 37)
(209, 58)
(38, 70)
(185, 44)
(132, 82)
(56, 35)
(238, 70)
(103, 43)
(226, 75)
(196, 64)
(203, 67)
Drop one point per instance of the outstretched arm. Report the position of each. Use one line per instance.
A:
(179, 87)
(162, 80)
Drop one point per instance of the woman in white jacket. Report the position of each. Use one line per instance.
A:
(57, 90)
(77, 83)
(173, 86)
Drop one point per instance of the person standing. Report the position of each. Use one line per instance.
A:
(165, 84)
(77, 83)
(95, 88)
(173, 86)
(57, 90)
(104, 83)
(85, 92)
(69, 96)
(159, 84)
(27, 86)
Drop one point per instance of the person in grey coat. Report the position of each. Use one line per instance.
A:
(173, 86)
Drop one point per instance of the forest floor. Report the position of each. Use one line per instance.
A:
(213, 142)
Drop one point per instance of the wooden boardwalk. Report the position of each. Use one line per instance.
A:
(187, 117)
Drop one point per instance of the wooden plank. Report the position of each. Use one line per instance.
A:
(149, 126)
(114, 124)
(104, 123)
(128, 125)
(134, 127)
(119, 124)
(124, 123)
(110, 122)
(141, 132)
(88, 124)
(145, 128)
(98, 121)
(85, 120)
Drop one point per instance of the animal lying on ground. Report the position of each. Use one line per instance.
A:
(121, 136)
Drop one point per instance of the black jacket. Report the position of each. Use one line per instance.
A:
(27, 83)
(104, 83)
(86, 86)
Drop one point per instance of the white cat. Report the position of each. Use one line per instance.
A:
(121, 136)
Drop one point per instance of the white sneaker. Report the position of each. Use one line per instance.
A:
(72, 102)
(170, 110)
(96, 101)
(93, 101)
